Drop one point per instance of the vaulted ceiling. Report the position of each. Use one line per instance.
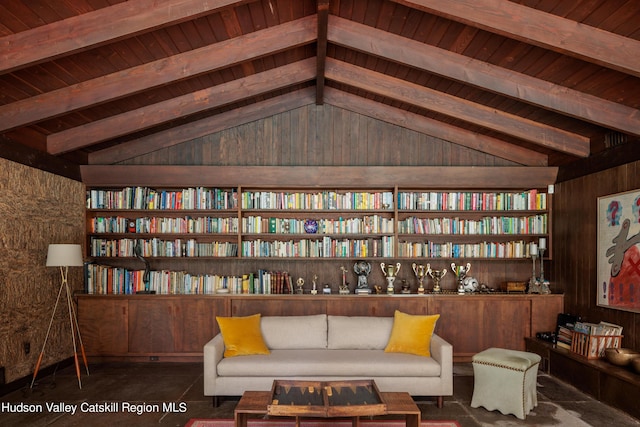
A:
(537, 82)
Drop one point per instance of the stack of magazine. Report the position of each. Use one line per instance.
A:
(598, 336)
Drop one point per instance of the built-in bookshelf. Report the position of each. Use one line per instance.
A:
(249, 224)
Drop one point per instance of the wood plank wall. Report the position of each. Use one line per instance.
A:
(36, 208)
(575, 236)
(319, 135)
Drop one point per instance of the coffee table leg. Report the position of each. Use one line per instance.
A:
(241, 419)
(412, 420)
(355, 421)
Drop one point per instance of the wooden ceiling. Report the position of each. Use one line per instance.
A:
(537, 82)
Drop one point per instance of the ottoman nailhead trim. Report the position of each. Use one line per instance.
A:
(498, 365)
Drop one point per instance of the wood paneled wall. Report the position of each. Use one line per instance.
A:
(319, 135)
(36, 208)
(575, 244)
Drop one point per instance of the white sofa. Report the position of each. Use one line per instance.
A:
(325, 348)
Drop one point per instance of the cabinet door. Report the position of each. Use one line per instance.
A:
(472, 324)
(507, 322)
(103, 325)
(152, 327)
(195, 322)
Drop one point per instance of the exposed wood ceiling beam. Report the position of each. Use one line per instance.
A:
(164, 71)
(165, 111)
(484, 75)
(541, 29)
(435, 128)
(95, 28)
(321, 55)
(203, 127)
(459, 108)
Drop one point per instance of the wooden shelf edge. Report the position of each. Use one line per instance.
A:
(442, 177)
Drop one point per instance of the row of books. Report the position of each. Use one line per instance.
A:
(374, 224)
(187, 224)
(149, 198)
(565, 336)
(513, 249)
(156, 247)
(322, 200)
(535, 224)
(145, 198)
(104, 280)
(474, 201)
(327, 247)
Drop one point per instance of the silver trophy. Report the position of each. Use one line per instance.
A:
(437, 275)
(362, 270)
(420, 271)
(390, 272)
(460, 272)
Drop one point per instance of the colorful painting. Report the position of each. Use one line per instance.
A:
(619, 251)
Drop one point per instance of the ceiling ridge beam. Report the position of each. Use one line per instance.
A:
(157, 73)
(434, 128)
(541, 29)
(179, 134)
(321, 54)
(99, 27)
(483, 75)
(490, 118)
(165, 111)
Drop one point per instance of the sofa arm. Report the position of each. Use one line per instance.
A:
(213, 354)
(442, 352)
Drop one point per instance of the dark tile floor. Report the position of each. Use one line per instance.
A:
(171, 394)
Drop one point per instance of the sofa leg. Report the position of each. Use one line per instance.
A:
(440, 402)
(217, 400)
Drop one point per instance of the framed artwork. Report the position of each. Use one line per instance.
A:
(619, 251)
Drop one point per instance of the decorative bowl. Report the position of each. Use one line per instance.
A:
(620, 356)
(635, 364)
(311, 226)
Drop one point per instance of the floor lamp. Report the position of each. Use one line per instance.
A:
(65, 256)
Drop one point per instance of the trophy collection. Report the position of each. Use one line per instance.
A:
(465, 284)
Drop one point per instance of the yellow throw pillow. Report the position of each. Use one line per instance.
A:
(411, 334)
(242, 336)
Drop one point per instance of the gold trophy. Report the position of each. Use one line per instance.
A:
(460, 272)
(420, 271)
(437, 275)
(390, 272)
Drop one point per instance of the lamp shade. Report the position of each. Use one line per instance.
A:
(64, 255)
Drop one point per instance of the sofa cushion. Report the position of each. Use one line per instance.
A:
(295, 332)
(242, 335)
(411, 334)
(358, 332)
(333, 363)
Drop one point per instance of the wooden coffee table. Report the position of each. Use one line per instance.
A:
(392, 403)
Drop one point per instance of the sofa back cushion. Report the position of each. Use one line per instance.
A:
(295, 332)
(358, 332)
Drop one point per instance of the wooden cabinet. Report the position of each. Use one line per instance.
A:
(148, 327)
(162, 327)
(104, 325)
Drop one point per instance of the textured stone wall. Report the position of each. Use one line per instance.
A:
(36, 208)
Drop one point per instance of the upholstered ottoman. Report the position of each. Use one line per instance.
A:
(505, 380)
